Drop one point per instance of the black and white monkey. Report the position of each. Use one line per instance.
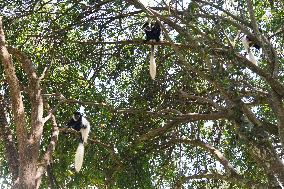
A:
(248, 43)
(251, 43)
(80, 123)
(153, 34)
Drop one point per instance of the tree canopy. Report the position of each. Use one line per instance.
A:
(212, 118)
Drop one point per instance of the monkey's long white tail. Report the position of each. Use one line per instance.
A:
(152, 66)
(246, 46)
(79, 157)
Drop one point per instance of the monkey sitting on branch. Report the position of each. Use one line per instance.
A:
(248, 43)
(81, 124)
(153, 34)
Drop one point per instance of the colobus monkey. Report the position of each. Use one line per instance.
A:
(247, 42)
(251, 43)
(79, 123)
(153, 33)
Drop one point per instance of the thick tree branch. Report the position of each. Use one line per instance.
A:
(34, 90)
(48, 154)
(252, 17)
(52, 179)
(14, 86)
(261, 148)
(6, 136)
(278, 109)
(215, 152)
(131, 42)
(17, 108)
(184, 118)
(25, 62)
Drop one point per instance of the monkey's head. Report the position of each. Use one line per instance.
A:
(77, 115)
(146, 26)
(156, 25)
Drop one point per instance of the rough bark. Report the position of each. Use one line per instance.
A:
(34, 92)
(26, 167)
(48, 154)
(277, 106)
(11, 152)
(28, 144)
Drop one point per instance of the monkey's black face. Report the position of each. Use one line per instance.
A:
(75, 122)
(251, 43)
(152, 32)
(146, 26)
(76, 115)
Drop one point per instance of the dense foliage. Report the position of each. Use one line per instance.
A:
(210, 119)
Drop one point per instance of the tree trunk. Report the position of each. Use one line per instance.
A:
(28, 144)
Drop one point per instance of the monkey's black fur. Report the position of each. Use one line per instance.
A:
(81, 124)
(152, 31)
(251, 43)
(76, 122)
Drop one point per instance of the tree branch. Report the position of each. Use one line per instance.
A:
(252, 17)
(184, 118)
(108, 147)
(48, 154)
(131, 42)
(278, 109)
(6, 135)
(200, 99)
(225, 11)
(260, 148)
(17, 102)
(215, 152)
(52, 179)
(34, 91)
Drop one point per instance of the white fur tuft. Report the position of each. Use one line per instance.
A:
(79, 157)
(152, 66)
(85, 131)
(252, 58)
(245, 43)
(246, 46)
